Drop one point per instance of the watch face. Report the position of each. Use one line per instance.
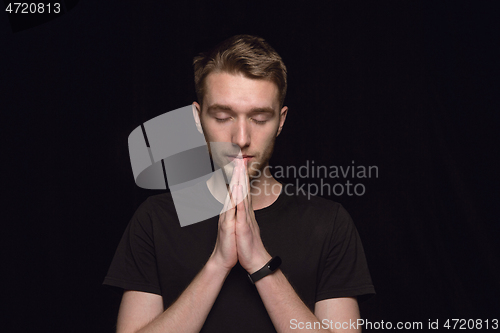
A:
(274, 264)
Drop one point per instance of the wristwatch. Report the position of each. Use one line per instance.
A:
(268, 268)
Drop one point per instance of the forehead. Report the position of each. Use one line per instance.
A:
(240, 92)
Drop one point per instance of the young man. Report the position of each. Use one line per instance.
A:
(272, 260)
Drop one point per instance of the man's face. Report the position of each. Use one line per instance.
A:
(240, 114)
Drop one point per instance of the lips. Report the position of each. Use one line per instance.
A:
(243, 156)
(240, 157)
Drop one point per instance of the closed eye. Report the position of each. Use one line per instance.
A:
(259, 122)
(223, 120)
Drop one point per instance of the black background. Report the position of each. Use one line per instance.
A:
(408, 86)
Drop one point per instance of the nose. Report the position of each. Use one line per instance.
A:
(241, 134)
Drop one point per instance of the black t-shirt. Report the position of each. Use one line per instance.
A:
(322, 257)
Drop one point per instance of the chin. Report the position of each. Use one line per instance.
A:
(256, 169)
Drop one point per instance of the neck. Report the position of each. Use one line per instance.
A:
(265, 189)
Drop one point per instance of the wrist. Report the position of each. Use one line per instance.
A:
(259, 263)
(269, 268)
(277, 275)
(215, 267)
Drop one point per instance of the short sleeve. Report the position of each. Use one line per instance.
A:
(344, 271)
(134, 264)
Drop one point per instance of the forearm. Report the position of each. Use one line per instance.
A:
(283, 304)
(189, 312)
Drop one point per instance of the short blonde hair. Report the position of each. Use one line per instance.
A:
(250, 55)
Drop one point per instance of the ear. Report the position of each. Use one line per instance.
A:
(283, 114)
(196, 115)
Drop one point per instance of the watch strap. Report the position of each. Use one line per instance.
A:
(268, 268)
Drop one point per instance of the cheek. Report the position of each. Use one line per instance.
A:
(270, 134)
(211, 132)
(264, 141)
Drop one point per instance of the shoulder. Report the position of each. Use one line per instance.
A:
(299, 199)
(158, 202)
(325, 215)
(154, 209)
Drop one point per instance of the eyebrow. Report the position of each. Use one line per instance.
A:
(215, 107)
